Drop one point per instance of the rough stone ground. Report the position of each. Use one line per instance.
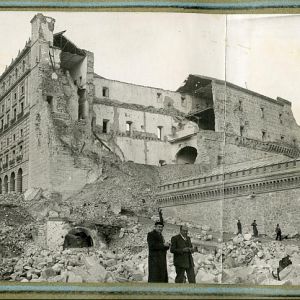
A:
(124, 216)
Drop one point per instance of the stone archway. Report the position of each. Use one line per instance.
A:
(186, 155)
(6, 184)
(12, 182)
(20, 181)
(78, 238)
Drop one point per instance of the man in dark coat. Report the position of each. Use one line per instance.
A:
(239, 226)
(182, 249)
(278, 233)
(255, 231)
(157, 260)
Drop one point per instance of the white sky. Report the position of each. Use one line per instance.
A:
(161, 49)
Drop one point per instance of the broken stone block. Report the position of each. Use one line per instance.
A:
(49, 272)
(206, 228)
(53, 214)
(260, 254)
(237, 239)
(203, 276)
(32, 194)
(247, 236)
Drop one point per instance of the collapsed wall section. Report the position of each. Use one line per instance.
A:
(56, 129)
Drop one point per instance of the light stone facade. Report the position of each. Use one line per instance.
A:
(53, 104)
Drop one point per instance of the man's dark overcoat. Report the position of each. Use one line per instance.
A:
(157, 260)
(181, 259)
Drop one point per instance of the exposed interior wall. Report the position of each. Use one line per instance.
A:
(252, 114)
(147, 96)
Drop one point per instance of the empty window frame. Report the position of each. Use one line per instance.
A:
(105, 92)
(280, 118)
(105, 126)
(240, 105)
(160, 132)
(263, 135)
(129, 127)
(262, 112)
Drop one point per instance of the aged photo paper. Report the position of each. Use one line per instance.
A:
(140, 147)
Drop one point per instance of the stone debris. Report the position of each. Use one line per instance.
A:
(252, 262)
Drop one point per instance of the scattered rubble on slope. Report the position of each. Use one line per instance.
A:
(250, 261)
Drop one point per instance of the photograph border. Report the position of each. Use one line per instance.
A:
(11, 290)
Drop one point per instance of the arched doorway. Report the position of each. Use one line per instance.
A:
(5, 184)
(19, 181)
(78, 238)
(186, 155)
(12, 182)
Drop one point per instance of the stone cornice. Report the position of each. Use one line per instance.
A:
(248, 182)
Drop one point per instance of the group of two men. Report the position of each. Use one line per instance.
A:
(182, 249)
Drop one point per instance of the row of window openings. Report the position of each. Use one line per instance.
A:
(13, 139)
(262, 112)
(13, 157)
(21, 107)
(105, 93)
(129, 128)
(14, 115)
(16, 74)
(263, 135)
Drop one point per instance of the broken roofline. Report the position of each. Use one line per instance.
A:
(278, 100)
(66, 41)
(141, 85)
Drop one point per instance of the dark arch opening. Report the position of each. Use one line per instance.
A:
(78, 238)
(186, 155)
(12, 182)
(5, 184)
(19, 181)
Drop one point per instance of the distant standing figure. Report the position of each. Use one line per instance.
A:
(157, 260)
(255, 231)
(278, 233)
(239, 226)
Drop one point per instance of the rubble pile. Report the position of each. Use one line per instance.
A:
(252, 262)
(16, 230)
(136, 189)
(98, 265)
(240, 251)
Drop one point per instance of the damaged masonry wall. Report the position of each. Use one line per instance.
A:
(55, 99)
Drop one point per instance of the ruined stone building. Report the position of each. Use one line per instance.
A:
(53, 104)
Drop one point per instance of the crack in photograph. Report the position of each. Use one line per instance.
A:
(149, 147)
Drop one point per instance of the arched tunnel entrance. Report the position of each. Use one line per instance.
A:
(78, 238)
(186, 155)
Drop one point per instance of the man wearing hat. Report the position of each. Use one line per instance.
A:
(157, 260)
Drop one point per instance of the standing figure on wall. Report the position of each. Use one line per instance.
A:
(278, 233)
(255, 231)
(239, 226)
